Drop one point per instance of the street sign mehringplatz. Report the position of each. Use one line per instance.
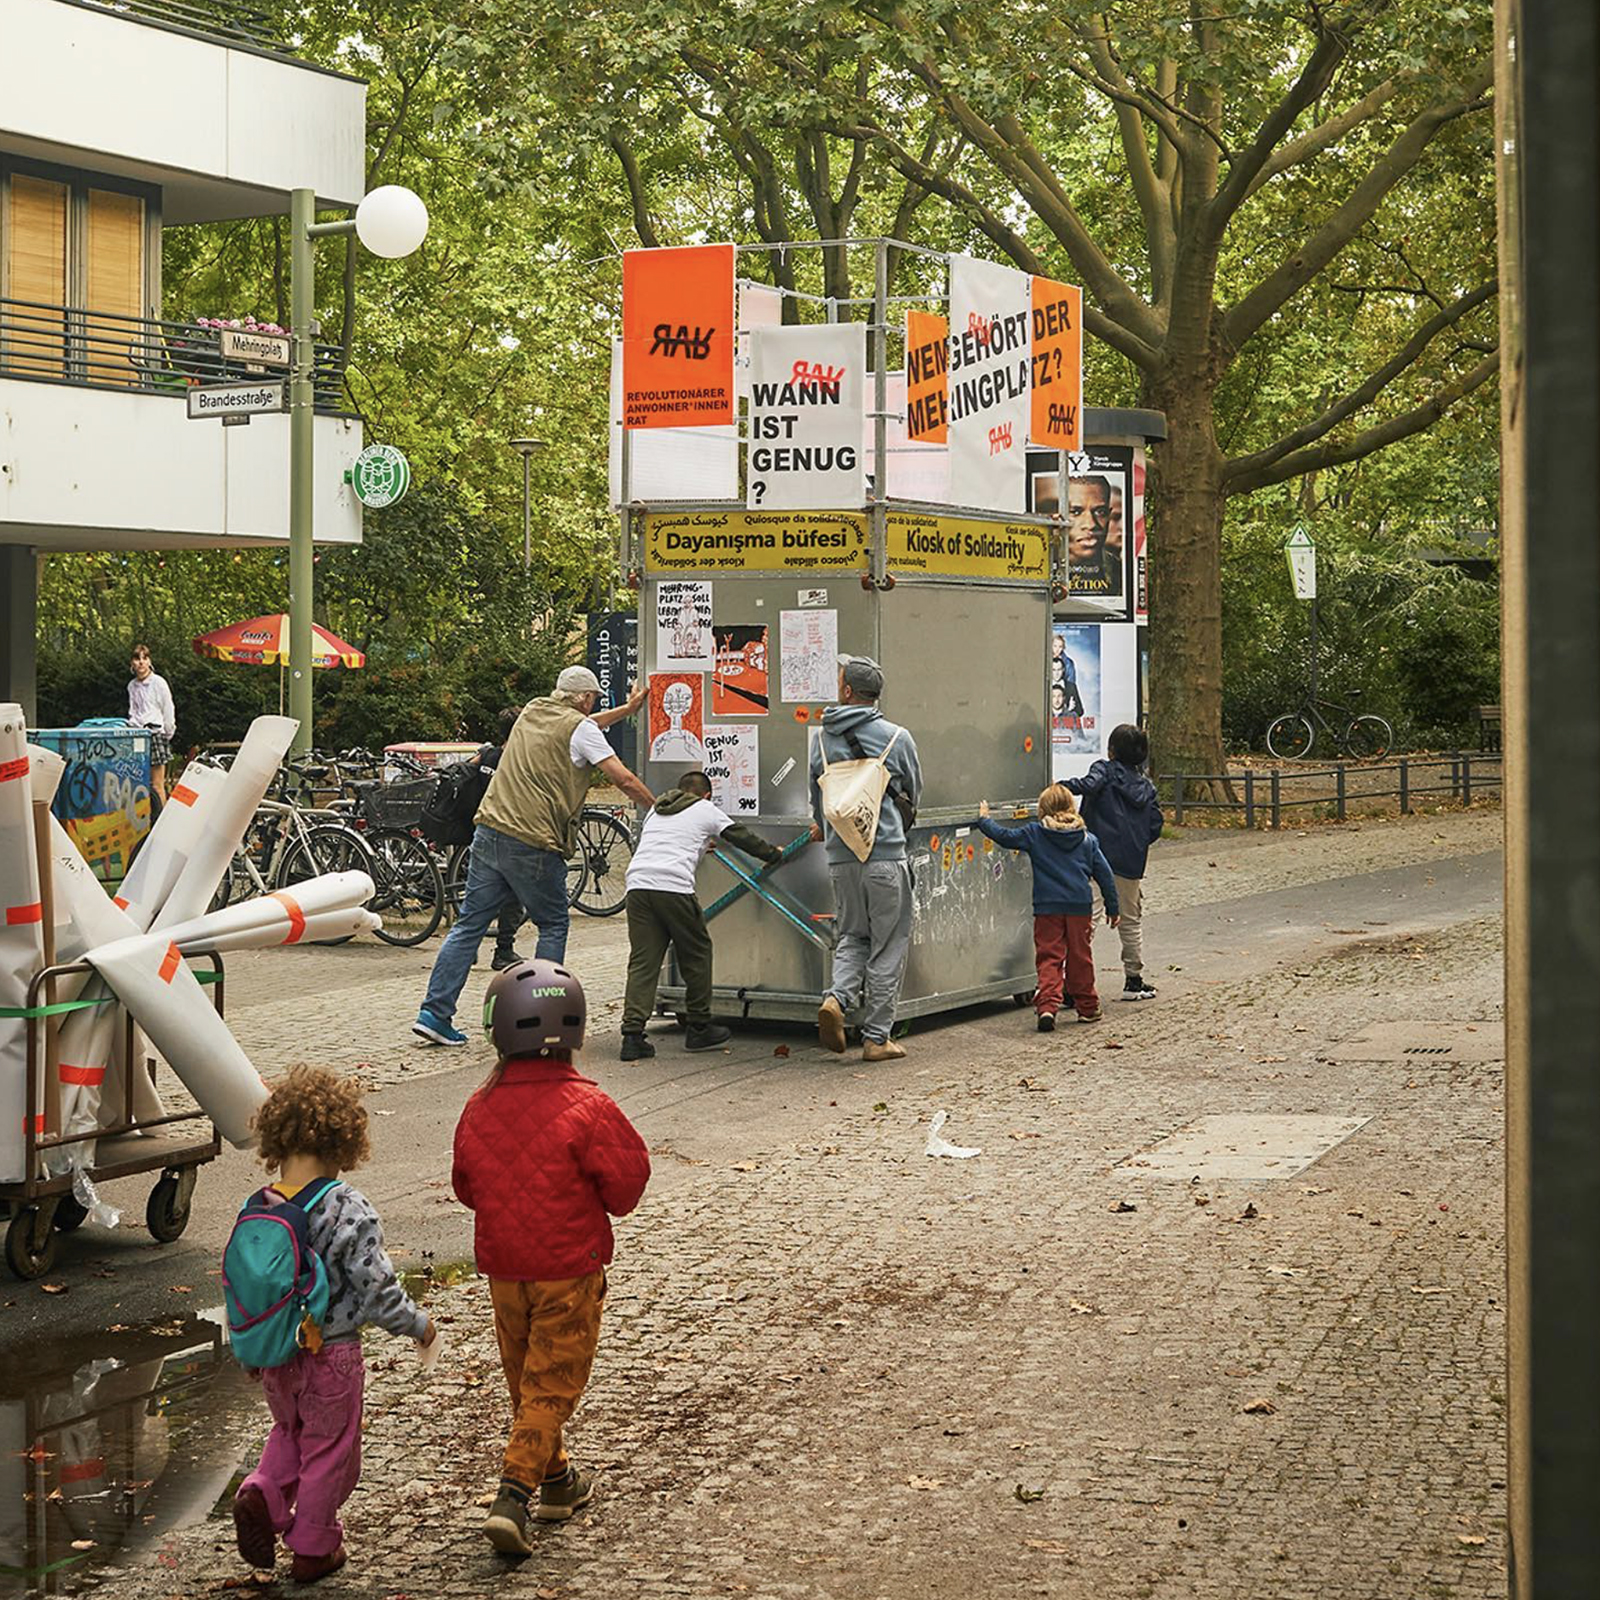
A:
(264, 349)
(1302, 554)
(237, 399)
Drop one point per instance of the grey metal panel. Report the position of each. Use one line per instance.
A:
(966, 670)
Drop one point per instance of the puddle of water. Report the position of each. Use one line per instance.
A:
(108, 1444)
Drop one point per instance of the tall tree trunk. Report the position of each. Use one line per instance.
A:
(1186, 505)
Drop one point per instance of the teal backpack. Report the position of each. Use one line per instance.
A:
(274, 1284)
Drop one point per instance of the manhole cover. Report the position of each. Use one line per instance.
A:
(1244, 1146)
(1432, 1041)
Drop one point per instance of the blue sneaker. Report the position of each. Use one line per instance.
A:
(431, 1030)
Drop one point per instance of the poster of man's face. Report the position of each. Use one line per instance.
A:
(1088, 511)
(1091, 499)
(1114, 523)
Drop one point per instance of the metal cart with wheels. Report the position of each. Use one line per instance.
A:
(40, 1208)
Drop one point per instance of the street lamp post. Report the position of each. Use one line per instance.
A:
(392, 222)
(525, 448)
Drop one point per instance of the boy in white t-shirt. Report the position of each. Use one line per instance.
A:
(663, 910)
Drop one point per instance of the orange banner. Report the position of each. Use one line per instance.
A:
(1057, 399)
(927, 378)
(677, 337)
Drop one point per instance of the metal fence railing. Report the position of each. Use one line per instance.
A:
(228, 20)
(1265, 797)
(106, 350)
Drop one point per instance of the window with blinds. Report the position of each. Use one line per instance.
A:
(114, 285)
(33, 323)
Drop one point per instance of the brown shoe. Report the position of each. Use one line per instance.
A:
(560, 1497)
(830, 1025)
(307, 1569)
(887, 1051)
(1091, 1016)
(252, 1528)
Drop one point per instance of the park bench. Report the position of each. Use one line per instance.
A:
(1488, 727)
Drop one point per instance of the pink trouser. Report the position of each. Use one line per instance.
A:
(312, 1461)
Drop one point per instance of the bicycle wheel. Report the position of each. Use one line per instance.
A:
(605, 847)
(1368, 738)
(410, 892)
(1291, 737)
(326, 849)
(455, 879)
(577, 876)
(236, 884)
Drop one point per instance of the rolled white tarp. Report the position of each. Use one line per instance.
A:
(344, 924)
(166, 851)
(284, 916)
(226, 819)
(148, 975)
(21, 936)
(45, 768)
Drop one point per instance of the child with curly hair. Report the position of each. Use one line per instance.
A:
(312, 1128)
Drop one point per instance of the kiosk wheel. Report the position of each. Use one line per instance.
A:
(166, 1214)
(30, 1243)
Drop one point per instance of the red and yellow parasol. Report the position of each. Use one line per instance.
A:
(264, 642)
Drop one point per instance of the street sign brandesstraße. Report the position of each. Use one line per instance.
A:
(257, 349)
(1302, 554)
(237, 399)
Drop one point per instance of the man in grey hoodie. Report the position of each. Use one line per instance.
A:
(872, 898)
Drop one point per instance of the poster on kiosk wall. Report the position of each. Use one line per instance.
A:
(1094, 685)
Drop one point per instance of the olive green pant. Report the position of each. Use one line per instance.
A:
(658, 918)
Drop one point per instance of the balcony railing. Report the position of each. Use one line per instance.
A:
(227, 20)
(104, 350)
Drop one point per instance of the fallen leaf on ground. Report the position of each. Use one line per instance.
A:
(1028, 1496)
(1428, 1288)
(1121, 1205)
(88, 1544)
(1249, 1214)
(1080, 1308)
(1111, 1044)
(747, 1166)
(1051, 1547)
(781, 1050)
(925, 1483)
(1202, 1199)
(1031, 1084)
(182, 1288)
(1464, 1538)
(53, 1288)
(1259, 1408)
(1017, 1133)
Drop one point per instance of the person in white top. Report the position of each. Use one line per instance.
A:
(150, 706)
(663, 910)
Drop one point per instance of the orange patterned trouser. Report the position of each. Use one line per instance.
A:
(548, 1334)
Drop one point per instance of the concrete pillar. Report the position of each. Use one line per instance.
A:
(1548, 145)
(19, 611)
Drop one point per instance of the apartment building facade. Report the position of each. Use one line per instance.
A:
(117, 123)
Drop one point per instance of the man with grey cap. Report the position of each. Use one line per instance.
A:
(872, 898)
(526, 830)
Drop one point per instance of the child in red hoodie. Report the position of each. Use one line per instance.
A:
(542, 1156)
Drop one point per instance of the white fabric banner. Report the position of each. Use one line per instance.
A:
(149, 976)
(170, 842)
(807, 404)
(917, 470)
(281, 918)
(672, 463)
(21, 934)
(990, 341)
(759, 307)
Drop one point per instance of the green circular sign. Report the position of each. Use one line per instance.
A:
(380, 476)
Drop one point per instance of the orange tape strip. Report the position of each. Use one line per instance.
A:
(89, 1077)
(83, 1471)
(13, 769)
(297, 918)
(38, 1123)
(119, 902)
(170, 963)
(17, 915)
(183, 794)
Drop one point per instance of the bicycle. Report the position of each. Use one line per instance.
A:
(1366, 736)
(596, 871)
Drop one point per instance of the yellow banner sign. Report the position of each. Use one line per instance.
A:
(964, 547)
(754, 541)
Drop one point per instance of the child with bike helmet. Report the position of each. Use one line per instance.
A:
(544, 1159)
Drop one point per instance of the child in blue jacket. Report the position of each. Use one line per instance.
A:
(1066, 859)
(1120, 807)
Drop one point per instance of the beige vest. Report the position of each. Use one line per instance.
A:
(536, 792)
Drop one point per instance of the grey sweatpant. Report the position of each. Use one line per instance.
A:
(1130, 894)
(872, 903)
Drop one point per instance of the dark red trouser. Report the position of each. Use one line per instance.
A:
(1063, 946)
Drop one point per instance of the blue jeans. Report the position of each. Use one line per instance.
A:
(501, 868)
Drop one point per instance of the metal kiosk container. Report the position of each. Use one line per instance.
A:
(957, 606)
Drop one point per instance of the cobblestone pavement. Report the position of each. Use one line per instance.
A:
(833, 1366)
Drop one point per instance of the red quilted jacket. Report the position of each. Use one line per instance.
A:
(541, 1155)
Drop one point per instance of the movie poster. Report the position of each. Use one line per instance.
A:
(739, 677)
(1098, 511)
(1074, 690)
(677, 718)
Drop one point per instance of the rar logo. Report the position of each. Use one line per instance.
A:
(692, 343)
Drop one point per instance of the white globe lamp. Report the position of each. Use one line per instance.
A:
(392, 221)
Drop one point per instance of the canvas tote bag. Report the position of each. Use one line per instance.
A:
(852, 796)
